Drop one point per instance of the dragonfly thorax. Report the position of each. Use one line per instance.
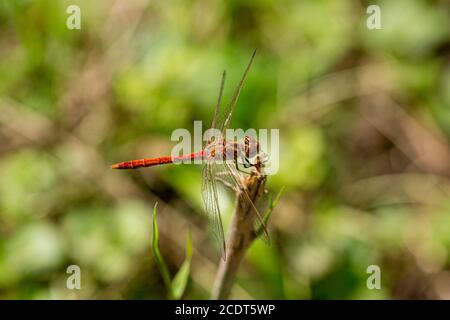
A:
(251, 147)
(246, 150)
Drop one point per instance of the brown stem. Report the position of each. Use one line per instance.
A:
(240, 236)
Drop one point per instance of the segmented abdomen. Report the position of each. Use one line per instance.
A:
(148, 162)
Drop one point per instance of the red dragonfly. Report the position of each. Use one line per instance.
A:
(221, 158)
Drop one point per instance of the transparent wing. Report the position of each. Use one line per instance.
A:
(223, 120)
(233, 177)
(211, 201)
(219, 100)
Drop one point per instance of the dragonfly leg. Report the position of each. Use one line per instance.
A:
(247, 163)
(239, 169)
(226, 183)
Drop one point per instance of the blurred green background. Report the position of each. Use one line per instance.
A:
(364, 119)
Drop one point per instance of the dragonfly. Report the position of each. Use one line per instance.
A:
(221, 158)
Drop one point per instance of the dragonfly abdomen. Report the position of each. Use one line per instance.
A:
(149, 162)
(140, 163)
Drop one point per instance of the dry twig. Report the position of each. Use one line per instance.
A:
(241, 234)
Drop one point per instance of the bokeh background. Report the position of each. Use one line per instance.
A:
(364, 119)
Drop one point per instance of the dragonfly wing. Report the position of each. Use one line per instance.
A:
(221, 118)
(219, 100)
(235, 178)
(210, 198)
(224, 120)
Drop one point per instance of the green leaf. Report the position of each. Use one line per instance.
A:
(181, 278)
(272, 204)
(158, 257)
(177, 286)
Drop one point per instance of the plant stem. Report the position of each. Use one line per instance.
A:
(240, 236)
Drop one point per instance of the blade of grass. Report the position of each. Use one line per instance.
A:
(272, 204)
(158, 257)
(180, 280)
